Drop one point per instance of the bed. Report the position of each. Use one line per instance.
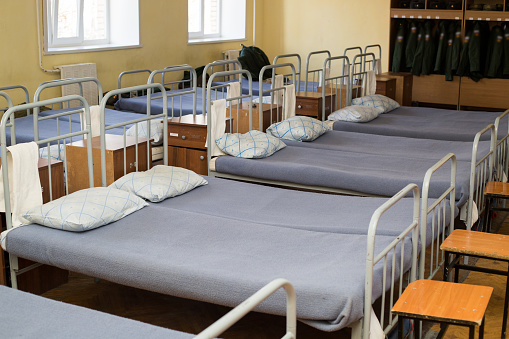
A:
(53, 319)
(241, 249)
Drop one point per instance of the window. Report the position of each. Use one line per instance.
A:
(73, 25)
(216, 20)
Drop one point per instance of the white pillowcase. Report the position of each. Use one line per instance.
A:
(56, 152)
(380, 102)
(299, 128)
(355, 113)
(156, 131)
(160, 182)
(251, 145)
(85, 209)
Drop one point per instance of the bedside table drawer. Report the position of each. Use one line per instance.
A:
(307, 107)
(182, 135)
(192, 159)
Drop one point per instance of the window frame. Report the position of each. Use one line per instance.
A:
(201, 34)
(52, 27)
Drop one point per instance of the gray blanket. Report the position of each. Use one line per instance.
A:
(24, 315)
(427, 123)
(296, 209)
(383, 175)
(217, 259)
(394, 145)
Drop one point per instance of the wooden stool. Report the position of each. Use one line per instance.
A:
(445, 303)
(480, 245)
(494, 190)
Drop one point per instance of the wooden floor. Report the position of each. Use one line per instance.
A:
(191, 316)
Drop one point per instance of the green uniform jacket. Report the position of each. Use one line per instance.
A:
(399, 48)
(442, 46)
(411, 44)
(428, 58)
(506, 51)
(456, 48)
(474, 53)
(419, 51)
(451, 30)
(464, 65)
(495, 53)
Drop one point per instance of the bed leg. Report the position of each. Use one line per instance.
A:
(13, 267)
(357, 330)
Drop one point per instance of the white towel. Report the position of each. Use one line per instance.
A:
(218, 125)
(233, 91)
(95, 120)
(290, 101)
(369, 85)
(375, 329)
(24, 184)
(378, 64)
(279, 95)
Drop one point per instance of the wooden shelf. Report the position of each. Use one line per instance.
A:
(433, 14)
(434, 89)
(487, 15)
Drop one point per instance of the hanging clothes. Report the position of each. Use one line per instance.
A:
(474, 53)
(419, 51)
(505, 71)
(456, 48)
(428, 58)
(495, 53)
(442, 47)
(411, 45)
(464, 64)
(451, 30)
(398, 57)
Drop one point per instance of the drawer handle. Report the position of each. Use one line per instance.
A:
(202, 157)
(299, 107)
(183, 137)
(133, 164)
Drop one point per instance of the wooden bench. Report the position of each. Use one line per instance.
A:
(445, 303)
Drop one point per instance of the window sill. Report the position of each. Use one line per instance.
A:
(91, 48)
(213, 40)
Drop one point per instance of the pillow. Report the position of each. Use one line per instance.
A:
(355, 113)
(156, 131)
(380, 102)
(85, 209)
(299, 128)
(251, 145)
(160, 182)
(56, 152)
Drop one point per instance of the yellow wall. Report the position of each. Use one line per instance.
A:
(163, 26)
(302, 26)
(282, 26)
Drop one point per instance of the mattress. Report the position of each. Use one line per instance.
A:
(393, 145)
(374, 174)
(426, 123)
(220, 259)
(111, 116)
(24, 315)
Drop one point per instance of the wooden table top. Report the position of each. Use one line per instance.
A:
(477, 243)
(497, 189)
(444, 301)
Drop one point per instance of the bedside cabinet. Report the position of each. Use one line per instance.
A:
(310, 104)
(404, 85)
(386, 86)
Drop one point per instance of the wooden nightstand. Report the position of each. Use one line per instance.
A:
(310, 104)
(42, 278)
(270, 115)
(386, 86)
(76, 155)
(404, 84)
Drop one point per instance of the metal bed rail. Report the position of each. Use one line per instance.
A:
(315, 74)
(126, 73)
(502, 149)
(440, 226)
(387, 258)
(481, 171)
(86, 132)
(361, 65)
(339, 83)
(221, 325)
(231, 102)
(277, 94)
(378, 60)
(145, 119)
(9, 103)
(297, 68)
(235, 64)
(67, 82)
(174, 95)
(12, 123)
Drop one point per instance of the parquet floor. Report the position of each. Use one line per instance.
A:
(192, 316)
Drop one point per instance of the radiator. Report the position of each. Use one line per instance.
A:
(90, 92)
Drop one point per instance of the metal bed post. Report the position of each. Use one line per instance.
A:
(362, 73)
(209, 105)
(210, 66)
(87, 131)
(23, 88)
(318, 70)
(146, 119)
(341, 77)
(9, 105)
(298, 68)
(379, 48)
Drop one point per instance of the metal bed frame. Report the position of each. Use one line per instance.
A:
(361, 64)
(298, 68)
(336, 82)
(379, 49)
(441, 226)
(317, 73)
